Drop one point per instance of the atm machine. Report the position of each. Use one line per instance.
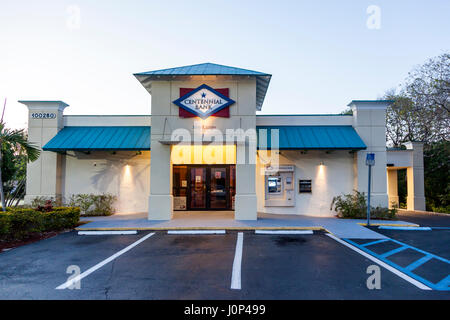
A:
(279, 186)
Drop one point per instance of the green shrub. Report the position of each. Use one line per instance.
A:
(40, 201)
(17, 224)
(94, 205)
(4, 225)
(441, 209)
(354, 206)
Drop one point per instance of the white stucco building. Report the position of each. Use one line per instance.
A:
(204, 148)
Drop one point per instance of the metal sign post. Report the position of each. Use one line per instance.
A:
(370, 161)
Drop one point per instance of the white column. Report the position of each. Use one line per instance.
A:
(44, 176)
(415, 177)
(369, 121)
(160, 202)
(245, 199)
(392, 182)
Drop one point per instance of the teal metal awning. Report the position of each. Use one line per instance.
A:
(100, 138)
(313, 138)
(138, 138)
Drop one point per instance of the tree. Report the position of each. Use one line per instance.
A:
(421, 113)
(437, 184)
(14, 169)
(421, 108)
(401, 119)
(14, 142)
(429, 84)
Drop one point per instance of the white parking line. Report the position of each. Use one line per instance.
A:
(196, 232)
(236, 275)
(96, 233)
(381, 263)
(283, 232)
(405, 228)
(76, 279)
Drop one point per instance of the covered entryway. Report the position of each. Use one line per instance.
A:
(410, 159)
(204, 187)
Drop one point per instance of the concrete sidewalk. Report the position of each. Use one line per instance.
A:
(343, 228)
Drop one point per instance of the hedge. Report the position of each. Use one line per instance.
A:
(17, 224)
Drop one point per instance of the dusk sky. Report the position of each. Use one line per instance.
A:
(322, 54)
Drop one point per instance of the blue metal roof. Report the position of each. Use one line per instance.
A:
(262, 79)
(100, 138)
(204, 69)
(313, 138)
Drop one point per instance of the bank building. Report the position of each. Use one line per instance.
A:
(203, 148)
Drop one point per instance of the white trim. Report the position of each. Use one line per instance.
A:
(381, 263)
(95, 233)
(236, 274)
(196, 232)
(78, 278)
(284, 232)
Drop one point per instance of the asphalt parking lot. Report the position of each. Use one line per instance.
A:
(166, 266)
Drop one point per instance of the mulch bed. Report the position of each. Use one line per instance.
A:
(8, 245)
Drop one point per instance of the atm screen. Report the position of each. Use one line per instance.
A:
(274, 184)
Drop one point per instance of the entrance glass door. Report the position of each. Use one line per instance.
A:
(204, 187)
(198, 188)
(218, 189)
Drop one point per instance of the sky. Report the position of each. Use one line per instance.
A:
(321, 54)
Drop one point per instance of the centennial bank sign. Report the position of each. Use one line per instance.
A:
(203, 101)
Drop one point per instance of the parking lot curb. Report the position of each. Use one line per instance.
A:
(201, 228)
(414, 225)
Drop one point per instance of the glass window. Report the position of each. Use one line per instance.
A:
(180, 182)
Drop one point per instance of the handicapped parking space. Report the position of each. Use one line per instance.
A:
(435, 241)
(34, 270)
(167, 266)
(429, 269)
(313, 267)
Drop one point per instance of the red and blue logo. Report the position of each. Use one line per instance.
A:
(203, 101)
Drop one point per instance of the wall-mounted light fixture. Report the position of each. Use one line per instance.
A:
(321, 163)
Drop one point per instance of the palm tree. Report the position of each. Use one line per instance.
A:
(17, 141)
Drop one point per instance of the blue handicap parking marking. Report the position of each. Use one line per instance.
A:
(411, 268)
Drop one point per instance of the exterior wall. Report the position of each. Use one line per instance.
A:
(335, 177)
(166, 120)
(44, 174)
(369, 121)
(304, 120)
(124, 174)
(113, 120)
(415, 175)
(400, 158)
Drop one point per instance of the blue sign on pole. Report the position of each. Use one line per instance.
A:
(370, 159)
